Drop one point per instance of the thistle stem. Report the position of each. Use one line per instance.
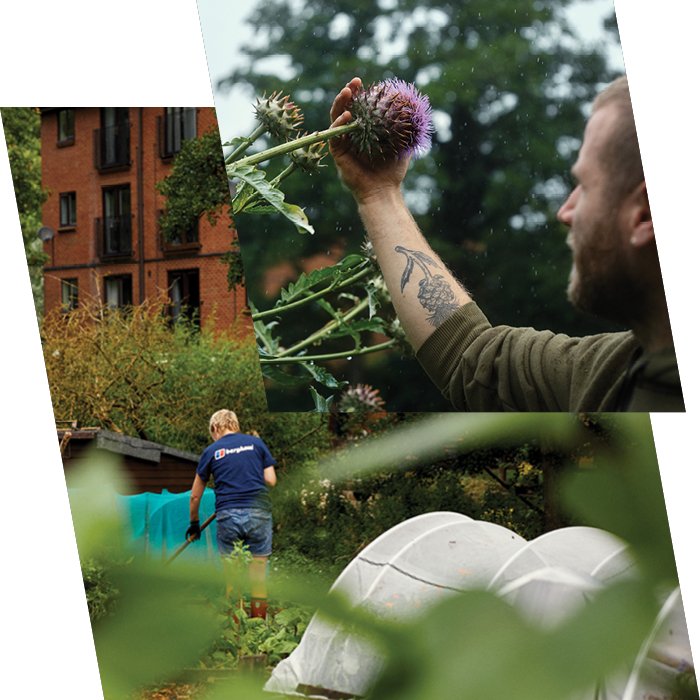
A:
(330, 326)
(246, 144)
(284, 174)
(328, 356)
(289, 146)
(300, 302)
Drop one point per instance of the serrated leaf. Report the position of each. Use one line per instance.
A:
(275, 374)
(235, 142)
(321, 404)
(323, 376)
(322, 275)
(350, 261)
(263, 334)
(255, 178)
(306, 284)
(241, 201)
(371, 325)
(328, 308)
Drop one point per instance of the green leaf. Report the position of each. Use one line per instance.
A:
(235, 142)
(328, 308)
(321, 404)
(351, 260)
(263, 333)
(355, 327)
(154, 607)
(303, 286)
(282, 378)
(322, 375)
(255, 178)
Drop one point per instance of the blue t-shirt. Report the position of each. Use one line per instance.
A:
(237, 462)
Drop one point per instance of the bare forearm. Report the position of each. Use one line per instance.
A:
(422, 290)
(194, 507)
(198, 487)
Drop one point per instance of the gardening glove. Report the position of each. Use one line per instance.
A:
(193, 531)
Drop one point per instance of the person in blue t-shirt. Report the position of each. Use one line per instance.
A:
(243, 470)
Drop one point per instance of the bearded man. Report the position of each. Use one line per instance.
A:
(615, 274)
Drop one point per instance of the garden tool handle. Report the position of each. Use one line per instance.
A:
(190, 539)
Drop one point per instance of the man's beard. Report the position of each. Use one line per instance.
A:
(607, 289)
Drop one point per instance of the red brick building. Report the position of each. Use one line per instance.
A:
(100, 221)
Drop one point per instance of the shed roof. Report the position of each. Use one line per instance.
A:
(126, 445)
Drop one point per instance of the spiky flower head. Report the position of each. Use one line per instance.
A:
(279, 115)
(395, 121)
(309, 159)
(361, 398)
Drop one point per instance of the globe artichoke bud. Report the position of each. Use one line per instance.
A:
(309, 159)
(395, 120)
(361, 398)
(279, 115)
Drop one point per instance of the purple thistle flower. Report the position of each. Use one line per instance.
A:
(395, 121)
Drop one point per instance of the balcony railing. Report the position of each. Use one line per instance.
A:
(113, 234)
(112, 147)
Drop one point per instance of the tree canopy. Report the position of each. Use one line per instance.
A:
(22, 133)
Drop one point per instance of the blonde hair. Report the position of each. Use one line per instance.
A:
(224, 420)
(621, 158)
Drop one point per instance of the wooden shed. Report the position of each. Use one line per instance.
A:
(150, 466)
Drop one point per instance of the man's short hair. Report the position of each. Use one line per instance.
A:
(621, 158)
(224, 420)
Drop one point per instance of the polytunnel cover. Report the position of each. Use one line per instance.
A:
(424, 559)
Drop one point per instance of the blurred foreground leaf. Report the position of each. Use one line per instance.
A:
(623, 494)
(439, 434)
(98, 519)
(162, 621)
(478, 646)
(162, 625)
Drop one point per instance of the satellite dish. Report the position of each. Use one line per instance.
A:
(46, 233)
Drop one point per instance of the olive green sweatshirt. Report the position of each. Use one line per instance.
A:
(480, 367)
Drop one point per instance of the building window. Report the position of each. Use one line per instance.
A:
(69, 294)
(117, 291)
(66, 127)
(112, 139)
(185, 241)
(114, 228)
(179, 124)
(183, 290)
(67, 205)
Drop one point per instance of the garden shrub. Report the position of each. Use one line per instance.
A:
(136, 373)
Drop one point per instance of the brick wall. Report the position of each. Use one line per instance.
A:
(74, 251)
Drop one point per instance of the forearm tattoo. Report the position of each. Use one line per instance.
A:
(434, 291)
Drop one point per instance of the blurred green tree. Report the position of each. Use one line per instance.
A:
(22, 126)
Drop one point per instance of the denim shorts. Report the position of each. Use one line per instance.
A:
(251, 526)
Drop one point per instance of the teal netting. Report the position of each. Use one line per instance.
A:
(158, 521)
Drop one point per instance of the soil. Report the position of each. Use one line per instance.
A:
(174, 691)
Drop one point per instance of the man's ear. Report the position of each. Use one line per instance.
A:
(639, 217)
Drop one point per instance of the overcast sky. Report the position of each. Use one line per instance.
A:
(225, 32)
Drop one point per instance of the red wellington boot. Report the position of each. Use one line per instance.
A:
(258, 607)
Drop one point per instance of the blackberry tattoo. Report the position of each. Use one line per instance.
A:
(434, 292)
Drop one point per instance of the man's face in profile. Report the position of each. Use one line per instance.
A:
(599, 278)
